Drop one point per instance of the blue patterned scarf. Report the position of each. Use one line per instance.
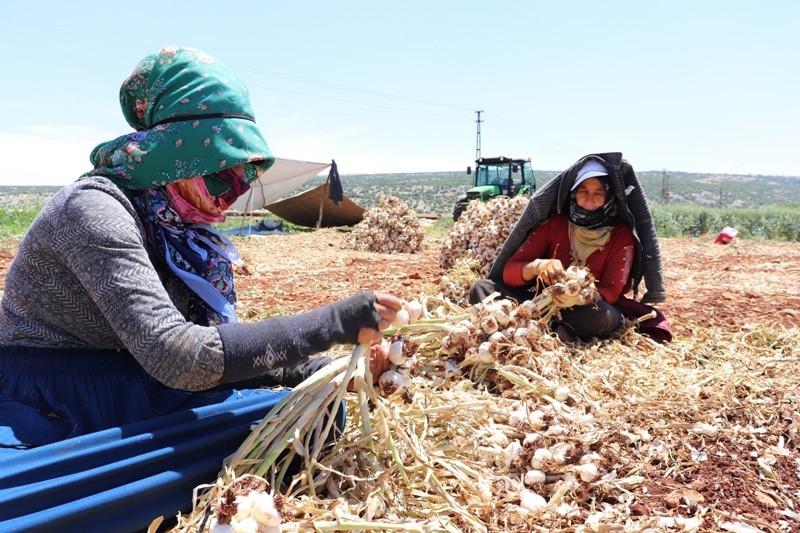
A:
(198, 255)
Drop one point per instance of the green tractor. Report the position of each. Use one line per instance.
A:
(495, 176)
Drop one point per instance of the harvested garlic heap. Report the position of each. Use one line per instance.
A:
(480, 232)
(533, 434)
(391, 227)
(535, 446)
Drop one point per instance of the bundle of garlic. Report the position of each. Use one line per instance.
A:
(401, 352)
(402, 365)
(481, 231)
(574, 287)
(391, 227)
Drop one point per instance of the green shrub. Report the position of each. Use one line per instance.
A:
(768, 223)
(16, 220)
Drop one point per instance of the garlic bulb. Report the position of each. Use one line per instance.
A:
(497, 336)
(587, 472)
(255, 513)
(484, 353)
(534, 476)
(395, 353)
(414, 308)
(215, 527)
(532, 502)
(489, 324)
(392, 382)
(511, 453)
(401, 319)
(521, 337)
(562, 394)
(540, 456)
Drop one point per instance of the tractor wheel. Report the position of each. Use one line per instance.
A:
(457, 210)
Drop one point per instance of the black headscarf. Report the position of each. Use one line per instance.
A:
(599, 217)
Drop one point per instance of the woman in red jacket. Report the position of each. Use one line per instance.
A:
(587, 233)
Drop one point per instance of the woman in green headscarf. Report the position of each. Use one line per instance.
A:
(118, 331)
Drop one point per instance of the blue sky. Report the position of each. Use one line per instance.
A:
(694, 86)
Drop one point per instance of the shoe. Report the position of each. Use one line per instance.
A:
(564, 335)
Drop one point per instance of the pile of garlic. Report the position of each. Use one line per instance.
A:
(481, 231)
(536, 449)
(391, 227)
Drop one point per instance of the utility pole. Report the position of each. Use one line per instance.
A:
(478, 139)
(665, 187)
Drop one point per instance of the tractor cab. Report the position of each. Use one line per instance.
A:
(496, 176)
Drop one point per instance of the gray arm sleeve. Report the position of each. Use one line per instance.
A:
(253, 348)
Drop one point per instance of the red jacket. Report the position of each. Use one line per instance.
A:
(610, 264)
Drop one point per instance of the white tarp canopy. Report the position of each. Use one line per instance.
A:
(282, 178)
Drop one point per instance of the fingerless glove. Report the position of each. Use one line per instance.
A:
(256, 347)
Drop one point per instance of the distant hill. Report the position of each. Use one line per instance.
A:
(436, 192)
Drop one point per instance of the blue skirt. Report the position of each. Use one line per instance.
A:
(90, 442)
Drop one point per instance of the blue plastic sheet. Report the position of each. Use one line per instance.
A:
(121, 479)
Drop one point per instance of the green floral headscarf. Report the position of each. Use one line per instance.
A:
(192, 118)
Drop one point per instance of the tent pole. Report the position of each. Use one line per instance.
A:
(322, 201)
(248, 211)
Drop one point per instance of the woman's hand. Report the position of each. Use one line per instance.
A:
(548, 270)
(387, 306)
(378, 361)
(378, 364)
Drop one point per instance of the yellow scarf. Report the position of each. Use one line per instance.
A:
(584, 241)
